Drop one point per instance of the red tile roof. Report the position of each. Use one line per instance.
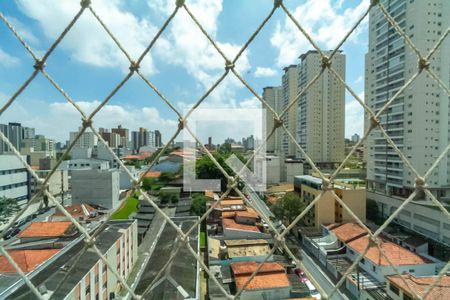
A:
(420, 284)
(271, 275)
(231, 224)
(27, 260)
(348, 232)
(45, 229)
(75, 210)
(249, 213)
(396, 254)
(153, 174)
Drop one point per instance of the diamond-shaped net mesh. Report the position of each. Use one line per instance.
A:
(229, 70)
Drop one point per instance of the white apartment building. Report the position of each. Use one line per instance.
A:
(87, 139)
(321, 109)
(289, 94)
(14, 179)
(418, 120)
(273, 96)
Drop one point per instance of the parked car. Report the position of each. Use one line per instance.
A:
(43, 210)
(312, 290)
(20, 223)
(302, 276)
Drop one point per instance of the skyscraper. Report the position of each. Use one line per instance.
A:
(321, 109)
(290, 90)
(158, 139)
(273, 97)
(124, 135)
(15, 134)
(417, 121)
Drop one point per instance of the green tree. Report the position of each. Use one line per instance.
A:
(174, 199)
(167, 177)
(198, 204)
(288, 207)
(8, 207)
(165, 198)
(207, 169)
(148, 183)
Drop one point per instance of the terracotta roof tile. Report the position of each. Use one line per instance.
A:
(348, 232)
(45, 229)
(27, 260)
(153, 174)
(75, 210)
(271, 275)
(231, 224)
(396, 254)
(420, 284)
(249, 213)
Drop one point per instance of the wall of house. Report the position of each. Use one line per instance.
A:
(241, 234)
(267, 294)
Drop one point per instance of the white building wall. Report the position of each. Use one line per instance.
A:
(14, 180)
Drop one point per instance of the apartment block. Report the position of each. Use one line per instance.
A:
(87, 140)
(273, 96)
(321, 109)
(289, 94)
(48, 250)
(418, 120)
(327, 210)
(14, 179)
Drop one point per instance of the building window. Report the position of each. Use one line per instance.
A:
(88, 289)
(406, 297)
(363, 261)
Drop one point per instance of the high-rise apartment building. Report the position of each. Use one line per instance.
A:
(158, 139)
(273, 97)
(124, 134)
(15, 134)
(418, 120)
(290, 90)
(87, 140)
(321, 109)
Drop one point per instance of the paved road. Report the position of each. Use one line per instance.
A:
(258, 202)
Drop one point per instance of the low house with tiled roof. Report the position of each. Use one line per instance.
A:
(80, 212)
(47, 230)
(271, 281)
(406, 286)
(234, 230)
(26, 259)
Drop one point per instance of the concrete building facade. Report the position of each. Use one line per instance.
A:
(14, 179)
(418, 120)
(321, 109)
(97, 187)
(273, 97)
(289, 94)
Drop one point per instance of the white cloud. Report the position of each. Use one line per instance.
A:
(265, 72)
(8, 60)
(354, 117)
(323, 20)
(87, 41)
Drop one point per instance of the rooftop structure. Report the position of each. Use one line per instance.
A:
(419, 286)
(47, 230)
(270, 276)
(26, 260)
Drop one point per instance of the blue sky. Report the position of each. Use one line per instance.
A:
(182, 64)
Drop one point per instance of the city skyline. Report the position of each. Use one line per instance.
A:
(136, 105)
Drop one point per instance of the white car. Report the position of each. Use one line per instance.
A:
(312, 290)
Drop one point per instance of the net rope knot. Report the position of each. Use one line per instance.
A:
(182, 124)
(179, 3)
(423, 64)
(326, 62)
(327, 185)
(90, 242)
(373, 241)
(277, 122)
(374, 2)
(134, 66)
(87, 123)
(229, 65)
(374, 122)
(85, 3)
(39, 65)
(420, 183)
(277, 3)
